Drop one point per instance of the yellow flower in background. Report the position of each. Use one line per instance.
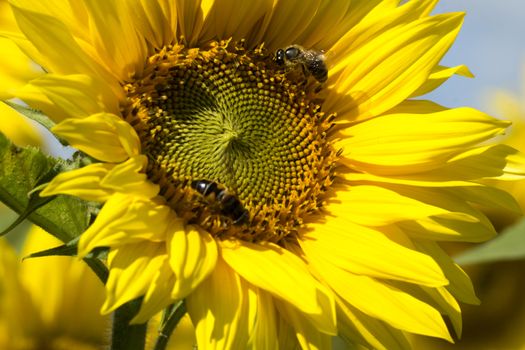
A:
(512, 107)
(51, 302)
(284, 208)
(20, 69)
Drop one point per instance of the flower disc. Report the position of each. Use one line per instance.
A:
(229, 115)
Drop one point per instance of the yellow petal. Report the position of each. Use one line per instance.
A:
(190, 16)
(388, 68)
(448, 305)
(442, 229)
(364, 251)
(463, 222)
(219, 309)
(482, 163)
(71, 13)
(16, 69)
(464, 170)
(407, 143)
(124, 220)
(7, 21)
(426, 179)
(282, 273)
(129, 177)
(379, 300)
(360, 328)
(416, 107)
(307, 334)
(56, 44)
(234, 19)
(439, 298)
(157, 296)
(489, 197)
(264, 334)
(34, 97)
(329, 16)
(132, 269)
(115, 38)
(97, 182)
(439, 75)
(289, 19)
(155, 20)
(515, 167)
(193, 256)
(103, 136)
(373, 19)
(334, 19)
(70, 96)
(286, 335)
(377, 206)
(460, 284)
(83, 183)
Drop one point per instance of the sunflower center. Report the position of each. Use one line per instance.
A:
(237, 146)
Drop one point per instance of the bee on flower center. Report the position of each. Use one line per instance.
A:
(230, 205)
(312, 62)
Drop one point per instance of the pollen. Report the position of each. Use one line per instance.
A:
(231, 116)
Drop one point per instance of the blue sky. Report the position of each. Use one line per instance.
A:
(492, 44)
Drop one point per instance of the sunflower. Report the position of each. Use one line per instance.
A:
(286, 198)
(49, 302)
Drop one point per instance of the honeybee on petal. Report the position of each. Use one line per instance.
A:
(311, 61)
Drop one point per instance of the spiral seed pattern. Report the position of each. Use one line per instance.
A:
(230, 115)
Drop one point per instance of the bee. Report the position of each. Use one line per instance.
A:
(311, 61)
(230, 206)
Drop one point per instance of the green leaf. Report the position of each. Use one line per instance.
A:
(509, 245)
(71, 249)
(33, 114)
(68, 249)
(32, 205)
(23, 169)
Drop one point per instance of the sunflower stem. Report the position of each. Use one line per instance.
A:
(175, 314)
(126, 336)
(98, 268)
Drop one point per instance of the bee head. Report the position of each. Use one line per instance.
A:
(279, 57)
